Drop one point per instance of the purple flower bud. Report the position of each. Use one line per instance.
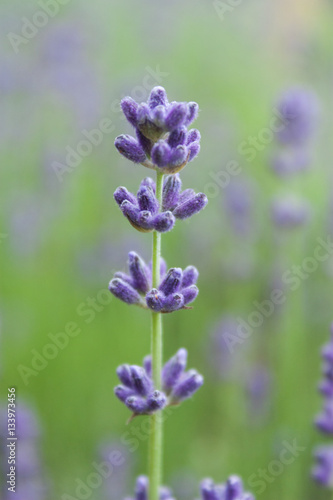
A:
(139, 272)
(173, 370)
(158, 97)
(208, 490)
(137, 405)
(190, 294)
(158, 116)
(163, 222)
(186, 195)
(124, 292)
(191, 206)
(142, 221)
(192, 113)
(178, 156)
(194, 149)
(121, 194)
(155, 300)
(156, 401)
(145, 124)
(190, 276)
(160, 154)
(176, 115)
(172, 281)
(171, 191)
(141, 382)
(147, 200)
(124, 277)
(143, 113)
(125, 375)
(234, 488)
(188, 385)
(177, 137)
(193, 135)
(130, 148)
(123, 393)
(141, 488)
(149, 183)
(145, 222)
(173, 302)
(130, 110)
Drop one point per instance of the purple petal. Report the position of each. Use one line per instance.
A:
(191, 206)
(130, 110)
(163, 222)
(130, 148)
(158, 97)
(139, 272)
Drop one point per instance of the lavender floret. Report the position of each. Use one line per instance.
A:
(322, 472)
(231, 490)
(142, 210)
(161, 130)
(137, 389)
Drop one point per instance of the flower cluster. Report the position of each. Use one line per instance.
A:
(162, 139)
(143, 210)
(232, 490)
(290, 212)
(297, 109)
(176, 290)
(137, 390)
(142, 487)
(323, 471)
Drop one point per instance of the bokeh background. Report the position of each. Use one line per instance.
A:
(62, 237)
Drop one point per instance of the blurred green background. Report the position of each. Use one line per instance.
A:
(62, 235)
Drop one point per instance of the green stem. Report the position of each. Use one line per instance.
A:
(156, 429)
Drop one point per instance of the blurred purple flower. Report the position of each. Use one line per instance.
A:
(290, 212)
(239, 200)
(322, 472)
(222, 363)
(298, 110)
(258, 388)
(290, 161)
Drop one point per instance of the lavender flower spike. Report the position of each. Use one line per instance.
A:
(142, 210)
